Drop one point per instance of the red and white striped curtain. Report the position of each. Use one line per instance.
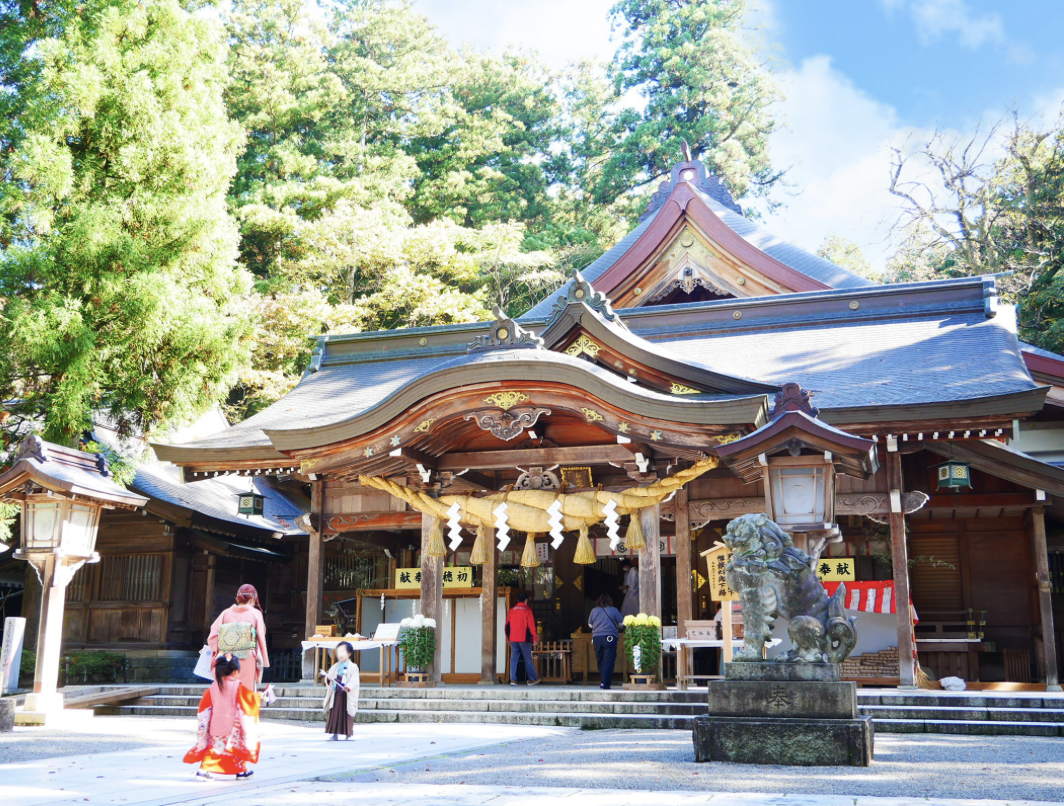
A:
(868, 597)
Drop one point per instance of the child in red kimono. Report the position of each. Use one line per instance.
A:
(227, 739)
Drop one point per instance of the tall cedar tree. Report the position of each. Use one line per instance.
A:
(119, 284)
(699, 74)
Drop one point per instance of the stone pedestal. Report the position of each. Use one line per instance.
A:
(782, 713)
(7, 714)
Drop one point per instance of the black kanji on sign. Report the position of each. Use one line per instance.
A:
(463, 576)
(404, 576)
(825, 568)
(842, 568)
(448, 576)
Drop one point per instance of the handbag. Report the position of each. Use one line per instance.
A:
(236, 638)
(203, 665)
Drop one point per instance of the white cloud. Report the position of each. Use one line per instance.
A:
(936, 19)
(561, 31)
(837, 141)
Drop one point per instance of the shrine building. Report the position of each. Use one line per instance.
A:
(699, 370)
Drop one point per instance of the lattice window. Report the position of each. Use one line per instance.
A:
(351, 572)
(131, 579)
(75, 591)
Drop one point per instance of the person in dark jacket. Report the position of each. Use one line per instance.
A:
(605, 623)
(521, 633)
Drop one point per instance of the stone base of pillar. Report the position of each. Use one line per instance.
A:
(47, 710)
(44, 702)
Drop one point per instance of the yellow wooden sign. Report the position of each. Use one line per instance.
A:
(718, 558)
(836, 569)
(453, 577)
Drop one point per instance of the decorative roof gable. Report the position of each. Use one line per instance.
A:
(505, 334)
(584, 325)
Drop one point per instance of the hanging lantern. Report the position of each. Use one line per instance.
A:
(250, 503)
(953, 475)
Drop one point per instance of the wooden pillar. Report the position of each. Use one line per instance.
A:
(684, 606)
(208, 597)
(900, 557)
(432, 593)
(1045, 598)
(489, 617)
(315, 573)
(650, 561)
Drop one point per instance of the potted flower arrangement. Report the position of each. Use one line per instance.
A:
(417, 642)
(642, 646)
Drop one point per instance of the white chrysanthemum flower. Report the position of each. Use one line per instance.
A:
(430, 622)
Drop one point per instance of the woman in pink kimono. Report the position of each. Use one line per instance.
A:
(241, 631)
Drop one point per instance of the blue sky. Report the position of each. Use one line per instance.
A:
(859, 75)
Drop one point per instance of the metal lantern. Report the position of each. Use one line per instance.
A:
(250, 503)
(801, 491)
(953, 475)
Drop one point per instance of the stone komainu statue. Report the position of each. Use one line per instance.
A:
(774, 579)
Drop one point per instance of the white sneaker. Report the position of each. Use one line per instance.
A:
(204, 776)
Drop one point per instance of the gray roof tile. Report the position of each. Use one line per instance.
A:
(217, 498)
(893, 362)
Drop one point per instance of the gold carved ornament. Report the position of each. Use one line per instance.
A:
(592, 415)
(506, 400)
(680, 389)
(527, 509)
(424, 426)
(583, 345)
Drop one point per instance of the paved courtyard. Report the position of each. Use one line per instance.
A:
(134, 760)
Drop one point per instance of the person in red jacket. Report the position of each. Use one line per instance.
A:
(521, 633)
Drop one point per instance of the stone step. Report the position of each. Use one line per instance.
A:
(936, 712)
(585, 721)
(604, 721)
(969, 727)
(522, 693)
(538, 706)
(964, 699)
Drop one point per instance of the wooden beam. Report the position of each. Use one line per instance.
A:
(371, 521)
(900, 557)
(489, 619)
(682, 541)
(413, 456)
(315, 573)
(539, 457)
(707, 509)
(650, 561)
(432, 593)
(1045, 598)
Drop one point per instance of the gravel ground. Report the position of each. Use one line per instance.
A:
(927, 765)
(106, 734)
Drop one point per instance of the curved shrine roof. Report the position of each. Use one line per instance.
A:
(878, 354)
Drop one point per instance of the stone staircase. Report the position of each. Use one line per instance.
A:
(980, 713)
